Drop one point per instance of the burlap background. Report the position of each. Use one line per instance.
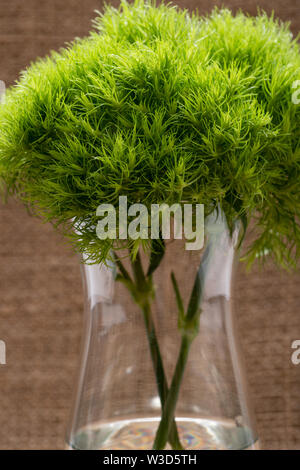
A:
(40, 288)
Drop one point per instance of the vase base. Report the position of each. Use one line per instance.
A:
(139, 434)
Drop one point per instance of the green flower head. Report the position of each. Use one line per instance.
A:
(161, 106)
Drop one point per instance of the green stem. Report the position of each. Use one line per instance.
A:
(189, 326)
(161, 381)
(170, 405)
(142, 285)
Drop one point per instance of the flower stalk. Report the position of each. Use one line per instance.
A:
(142, 292)
(189, 327)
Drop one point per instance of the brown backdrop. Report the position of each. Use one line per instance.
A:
(40, 289)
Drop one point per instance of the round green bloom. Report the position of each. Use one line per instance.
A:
(161, 106)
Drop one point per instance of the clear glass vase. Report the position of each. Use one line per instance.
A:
(151, 379)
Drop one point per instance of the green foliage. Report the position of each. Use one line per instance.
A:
(161, 106)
